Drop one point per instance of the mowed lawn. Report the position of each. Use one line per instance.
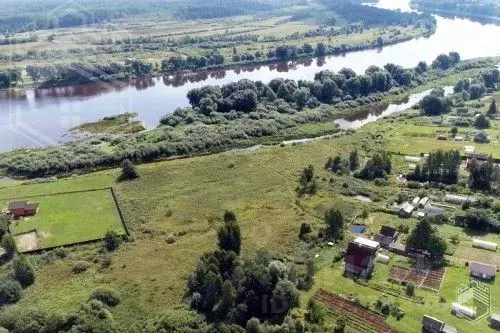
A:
(69, 218)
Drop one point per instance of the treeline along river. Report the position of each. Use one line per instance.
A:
(40, 117)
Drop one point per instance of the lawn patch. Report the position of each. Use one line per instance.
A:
(68, 218)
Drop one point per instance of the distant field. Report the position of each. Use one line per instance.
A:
(65, 219)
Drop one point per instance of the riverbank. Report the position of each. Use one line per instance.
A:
(189, 133)
(467, 10)
(371, 39)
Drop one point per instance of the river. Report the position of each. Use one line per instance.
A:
(41, 117)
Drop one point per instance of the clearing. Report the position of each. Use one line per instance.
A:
(67, 218)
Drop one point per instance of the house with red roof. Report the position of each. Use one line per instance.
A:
(22, 208)
(360, 257)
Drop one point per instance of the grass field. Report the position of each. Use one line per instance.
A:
(186, 198)
(65, 219)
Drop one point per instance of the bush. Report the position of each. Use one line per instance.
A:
(106, 261)
(410, 290)
(112, 240)
(10, 291)
(9, 245)
(105, 295)
(170, 239)
(24, 271)
(79, 267)
(129, 171)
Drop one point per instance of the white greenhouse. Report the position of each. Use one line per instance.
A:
(462, 310)
(383, 258)
(412, 159)
(484, 244)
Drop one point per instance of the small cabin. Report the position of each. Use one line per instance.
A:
(397, 248)
(22, 208)
(482, 137)
(386, 236)
(415, 201)
(433, 325)
(495, 321)
(406, 210)
(482, 271)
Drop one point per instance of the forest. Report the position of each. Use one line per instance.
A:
(25, 15)
(485, 8)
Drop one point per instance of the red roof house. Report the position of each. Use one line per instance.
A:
(360, 259)
(22, 208)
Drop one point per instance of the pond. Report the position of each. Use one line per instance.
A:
(41, 117)
(358, 229)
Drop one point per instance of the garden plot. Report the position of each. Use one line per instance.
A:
(359, 318)
(68, 218)
(429, 278)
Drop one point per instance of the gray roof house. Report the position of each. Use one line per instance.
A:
(495, 321)
(406, 209)
(482, 271)
(433, 325)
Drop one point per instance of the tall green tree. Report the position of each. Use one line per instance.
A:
(24, 271)
(353, 160)
(492, 110)
(334, 224)
(426, 238)
(229, 235)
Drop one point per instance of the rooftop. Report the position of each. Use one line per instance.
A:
(388, 231)
(367, 242)
(17, 205)
(480, 268)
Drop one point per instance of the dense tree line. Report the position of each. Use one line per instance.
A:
(18, 40)
(369, 15)
(88, 72)
(9, 77)
(379, 166)
(199, 9)
(24, 15)
(487, 8)
(440, 166)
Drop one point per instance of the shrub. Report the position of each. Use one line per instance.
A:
(9, 245)
(106, 261)
(129, 171)
(24, 271)
(410, 290)
(10, 291)
(108, 296)
(112, 240)
(79, 267)
(170, 239)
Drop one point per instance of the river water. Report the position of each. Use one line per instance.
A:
(40, 117)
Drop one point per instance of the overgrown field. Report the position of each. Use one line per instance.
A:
(185, 199)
